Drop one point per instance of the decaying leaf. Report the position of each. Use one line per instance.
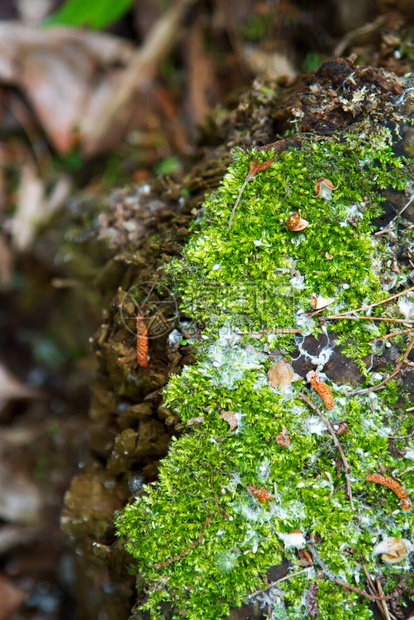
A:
(393, 549)
(197, 420)
(318, 302)
(282, 375)
(11, 597)
(257, 166)
(283, 438)
(12, 389)
(254, 168)
(230, 417)
(20, 498)
(59, 69)
(34, 207)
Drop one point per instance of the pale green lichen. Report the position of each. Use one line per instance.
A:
(202, 540)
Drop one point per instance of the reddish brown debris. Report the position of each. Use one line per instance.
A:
(261, 494)
(142, 341)
(394, 486)
(318, 186)
(283, 439)
(321, 388)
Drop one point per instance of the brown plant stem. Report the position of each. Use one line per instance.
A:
(246, 180)
(338, 446)
(395, 372)
(385, 230)
(332, 577)
(378, 303)
(380, 604)
(285, 578)
(366, 318)
(393, 335)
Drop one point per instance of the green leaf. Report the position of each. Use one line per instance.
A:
(96, 14)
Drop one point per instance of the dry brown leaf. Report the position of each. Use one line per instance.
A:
(112, 118)
(58, 68)
(230, 417)
(197, 420)
(20, 498)
(254, 168)
(257, 166)
(393, 550)
(282, 375)
(270, 65)
(11, 597)
(11, 388)
(33, 207)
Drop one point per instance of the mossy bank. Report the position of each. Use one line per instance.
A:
(202, 538)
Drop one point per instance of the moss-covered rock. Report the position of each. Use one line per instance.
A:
(202, 536)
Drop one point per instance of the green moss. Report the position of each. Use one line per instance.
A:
(203, 542)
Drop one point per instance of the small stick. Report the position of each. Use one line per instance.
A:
(246, 180)
(393, 335)
(254, 168)
(385, 230)
(332, 577)
(403, 436)
(371, 587)
(367, 318)
(379, 303)
(285, 578)
(381, 384)
(381, 591)
(406, 471)
(336, 442)
(380, 604)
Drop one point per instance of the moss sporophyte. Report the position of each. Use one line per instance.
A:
(202, 535)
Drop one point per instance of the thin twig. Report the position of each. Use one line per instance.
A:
(246, 180)
(403, 436)
(285, 578)
(366, 318)
(382, 383)
(380, 604)
(383, 231)
(357, 32)
(393, 335)
(387, 614)
(378, 303)
(332, 577)
(336, 442)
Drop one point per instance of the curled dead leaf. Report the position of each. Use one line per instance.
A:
(283, 439)
(197, 420)
(282, 375)
(318, 302)
(231, 417)
(393, 550)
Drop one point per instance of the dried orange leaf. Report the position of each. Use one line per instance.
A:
(257, 166)
(254, 167)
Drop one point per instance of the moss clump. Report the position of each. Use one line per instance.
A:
(259, 275)
(203, 541)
